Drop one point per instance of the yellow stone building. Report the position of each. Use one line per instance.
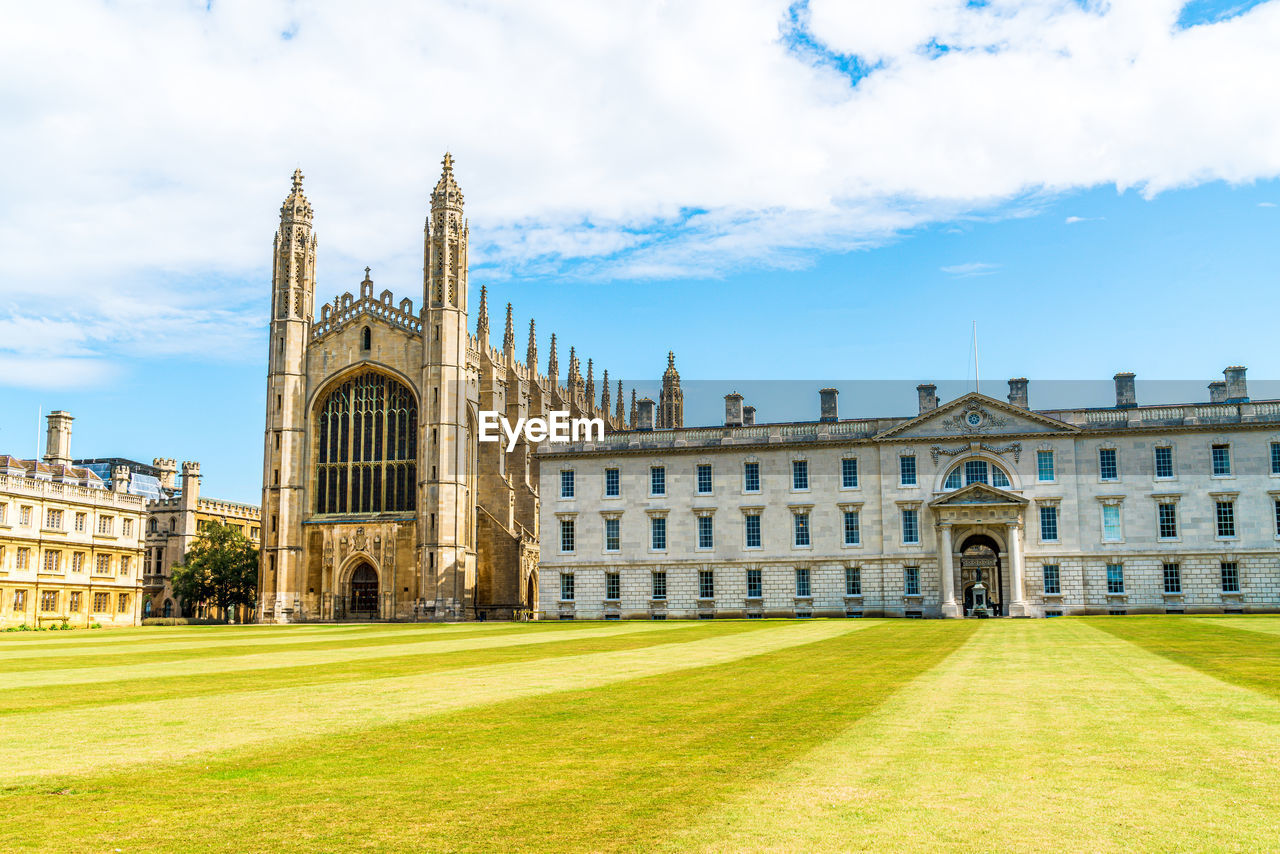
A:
(70, 549)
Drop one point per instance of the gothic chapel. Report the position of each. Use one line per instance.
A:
(378, 501)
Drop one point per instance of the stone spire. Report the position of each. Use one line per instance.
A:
(509, 337)
(671, 399)
(445, 251)
(621, 414)
(574, 380)
(604, 394)
(296, 208)
(553, 364)
(633, 409)
(531, 354)
(446, 191)
(591, 385)
(482, 321)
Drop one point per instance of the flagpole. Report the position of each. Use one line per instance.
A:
(976, 378)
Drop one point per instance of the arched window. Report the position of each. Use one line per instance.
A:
(366, 446)
(153, 526)
(976, 471)
(366, 339)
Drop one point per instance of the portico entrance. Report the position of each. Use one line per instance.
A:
(980, 529)
(980, 562)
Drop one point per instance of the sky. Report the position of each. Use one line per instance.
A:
(809, 193)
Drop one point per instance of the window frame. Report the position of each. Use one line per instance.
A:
(1225, 522)
(1041, 455)
(1171, 571)
(750, 470)
(912, 513)
(1113, 466)
(657, 478)
(908, 462)
(799, 475)
(1054, 571)
(569, 535)
(1115, 579)
(616, 534)
(849, 473)
(698, 471)
(612, 476)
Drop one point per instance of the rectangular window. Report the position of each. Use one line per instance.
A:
(1052, 580)
(566, 587)
(1167, 520)
(23, 558)
(754, 586)
(612, 535)
(1111, 522)
(1276, 503)
(4, 512)
(1172, 578)
(106, 524)
(706, 536)
(612, 586)
(125, 561)
(1230, 577)
(77, 562)
(612, 483)
(1275, 460)
(659, 585)
(19, 601)
(910, 526)
(1048, 523)
(74, 605)
(1115, 578)
(849, 473)
(1226, 518)
(128, 528)
(1044, 465)
(566, 483)
(704, 479)
(907, 470)
(801, 529)
(852, 581)
(753, 530)
(1221, 460)
(104, 565)
(52, 561)
(706, 584)
(24, 517)
(799, 474)
(658, 533)
(566, 535)
(657, 480)
(101, 602)
(1107, 467)
(911, 580)
(802, 582)
(750, 477)
(48, 600)
(122, 603)
(852, 530)
(1164, 462)
(53, 520)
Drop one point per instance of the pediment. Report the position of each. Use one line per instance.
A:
(976, 415)
(977, 493)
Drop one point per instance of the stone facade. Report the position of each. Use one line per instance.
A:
(379, 502)
(1130, 509)
(70, 548)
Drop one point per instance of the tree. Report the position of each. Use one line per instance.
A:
(220, 570)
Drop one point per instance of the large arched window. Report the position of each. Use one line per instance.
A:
(366, 446)
(976, 471)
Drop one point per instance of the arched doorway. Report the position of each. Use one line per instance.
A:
(980, 561)
(531, 596)
(364, 592)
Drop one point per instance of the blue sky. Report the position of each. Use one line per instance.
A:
(746, 201)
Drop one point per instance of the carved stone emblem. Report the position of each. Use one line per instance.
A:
(974, 419)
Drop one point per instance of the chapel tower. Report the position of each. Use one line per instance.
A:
(671, 398)
(293, 282)
(446, 506)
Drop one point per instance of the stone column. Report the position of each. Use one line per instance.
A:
(1017, 607)
(947, 571)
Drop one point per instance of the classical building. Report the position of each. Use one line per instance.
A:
(979, 506)
(175, 519)
(379, 502)
(70, 548)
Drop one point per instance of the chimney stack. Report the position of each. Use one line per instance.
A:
(829, 410)
(1126, 395)
(1018, 392)
(644, 415)
(928, 394)
(748, 416)
(57, 445)
(1237, 391)
(733, 410)
(1218, 392)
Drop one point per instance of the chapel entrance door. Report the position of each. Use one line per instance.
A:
(364, 592)
(980, 561)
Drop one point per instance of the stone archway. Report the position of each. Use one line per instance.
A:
(980, 561)
(362, 592)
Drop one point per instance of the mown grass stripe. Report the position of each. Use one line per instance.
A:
(614, 767)
(81, 740)
(1036, 735)
(1226, 650)
(201, 665)
(1267, 624)
(55, 697)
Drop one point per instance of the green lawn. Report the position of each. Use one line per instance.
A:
(1146, 733)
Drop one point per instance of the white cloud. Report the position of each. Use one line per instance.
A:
(973, 268)
(1072, 220)
(1266, 204)
(155, 139)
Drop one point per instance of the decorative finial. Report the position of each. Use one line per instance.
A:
(509, 336)
(297, 180)
(482, 322)
(671, 359)
(448, 162)
(366, 275)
